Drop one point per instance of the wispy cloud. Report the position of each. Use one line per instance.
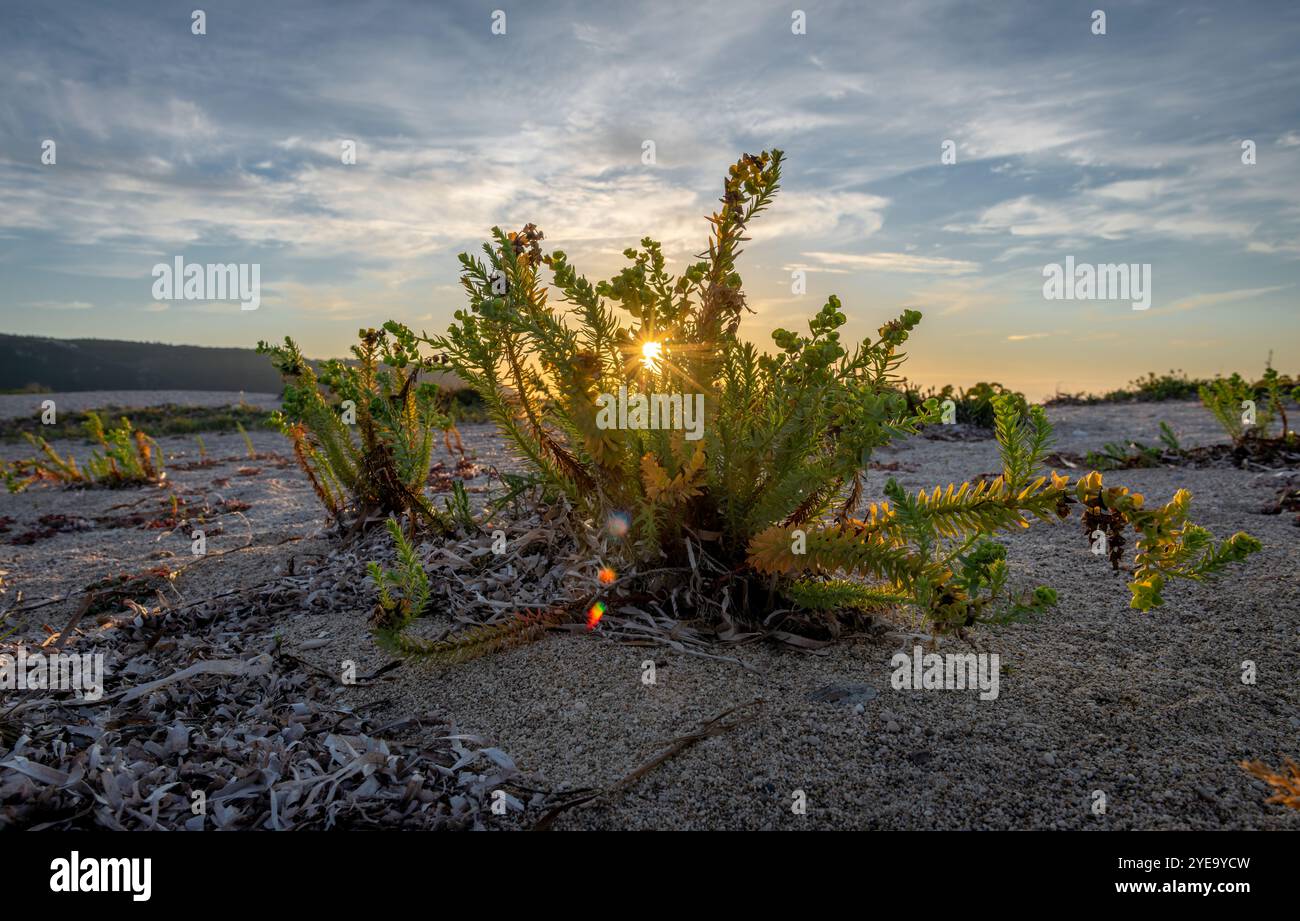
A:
(1221, 297)
(896, 262)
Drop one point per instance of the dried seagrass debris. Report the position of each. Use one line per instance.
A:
(110, 593)
(546, 577)
(1243, 454)
(441, 479)
(214, 712)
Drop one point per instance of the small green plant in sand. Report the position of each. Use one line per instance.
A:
(404, 596)
(403, 591)
(1246, 410)
(248, 442)
(124, 456)
(1127, 455)
(364, 431)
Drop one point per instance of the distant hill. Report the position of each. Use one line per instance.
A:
(65, 365)
(105, 364)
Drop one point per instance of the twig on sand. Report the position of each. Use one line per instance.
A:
(711, 728)
(76, 619)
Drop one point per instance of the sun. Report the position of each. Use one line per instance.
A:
(651, 353)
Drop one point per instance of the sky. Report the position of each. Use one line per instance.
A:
(1122, 147)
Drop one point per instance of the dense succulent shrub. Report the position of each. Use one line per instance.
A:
(782, 433)
(773, 486)
(124, 456)
(364, 431)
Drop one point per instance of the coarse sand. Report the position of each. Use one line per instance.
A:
(1106, 717)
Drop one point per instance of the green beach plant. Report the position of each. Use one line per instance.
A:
(404, 594)
(773, 482)
(1246, 410)
(124, 456)
(404, 591)
(363, 432)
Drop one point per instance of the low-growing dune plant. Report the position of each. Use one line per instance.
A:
(403, 591)
(1156, 388)
(1125, 455)
(1233, 401)
(158, 421)
(640, 403)
(404, 595)
(249, 449)
(364, 431)
(1227, 399)
(124, 456)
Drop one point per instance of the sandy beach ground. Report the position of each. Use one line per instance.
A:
(1147, 713)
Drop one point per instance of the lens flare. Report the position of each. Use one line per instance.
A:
(618, 523)
(651, 353)
(607, 575)
(595, 614)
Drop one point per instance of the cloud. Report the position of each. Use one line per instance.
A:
(1219, 297)
(1106, 214)
(61, 305)
(1289, 248)
(896, 262)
